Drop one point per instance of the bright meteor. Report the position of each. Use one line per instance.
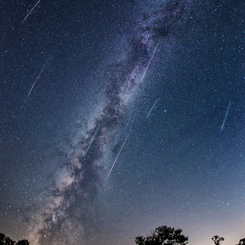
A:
(148, 114)
(118, 154)
(142, 78)
(37, 78)
(226, 114)
(31, 11)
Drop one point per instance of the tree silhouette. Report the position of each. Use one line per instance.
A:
(217, 239)
(5, 240)
(241, 242)
(22, 242)
(163, 235)
(2, 238)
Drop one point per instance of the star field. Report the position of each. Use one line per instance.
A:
(156, 87)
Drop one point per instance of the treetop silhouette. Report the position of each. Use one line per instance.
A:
(5, 240)
(241, 242)
(217, 239)
(163, 235)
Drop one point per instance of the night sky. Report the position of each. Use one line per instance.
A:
(117, 117)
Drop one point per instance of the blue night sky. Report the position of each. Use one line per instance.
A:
(121, 116)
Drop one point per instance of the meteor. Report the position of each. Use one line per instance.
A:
(118, 154)
(148, 114)
(142, 78)
(31, 11)
(37, 78)
(226, 114)
(92, 140)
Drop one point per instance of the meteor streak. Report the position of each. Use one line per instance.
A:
(118, 154)
(142, 78)
(92, 140)
(37, 78)
(226, 114)
(31, 11)
(148, 114)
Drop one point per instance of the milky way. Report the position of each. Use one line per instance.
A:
(68, 206)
